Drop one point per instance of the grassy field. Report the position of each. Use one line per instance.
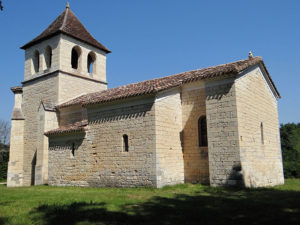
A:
(180, 204)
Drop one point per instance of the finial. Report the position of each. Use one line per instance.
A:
(68, 5)
(250, 55)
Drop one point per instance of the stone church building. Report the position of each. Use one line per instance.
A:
(217, 125)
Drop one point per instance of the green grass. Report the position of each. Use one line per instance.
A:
(180, 204)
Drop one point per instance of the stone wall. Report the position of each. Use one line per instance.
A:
(66, 45)
(54, 43)
(222, 128)
(15, 165)
(71, 86)
(61, 46)
(168, 124)
(195, 157)
(33, 93)
(100, 159)
(72, 114)
(261, 159)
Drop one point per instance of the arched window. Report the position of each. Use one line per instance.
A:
(75, 55)
(48, 56)
(262, 132)
(91, 62)
(202, 131)
(36, 61)
(125, 143)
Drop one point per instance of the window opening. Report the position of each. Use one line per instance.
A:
(75, 58)
(36, 61)
(125, 143)
(91, 62)
(202, 132)
(48, 56)
(262, 132)
(73, 149)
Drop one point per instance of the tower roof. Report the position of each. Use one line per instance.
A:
(67, 23)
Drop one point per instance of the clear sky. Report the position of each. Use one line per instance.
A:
(155, 38)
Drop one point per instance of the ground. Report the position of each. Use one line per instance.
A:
(180, 204)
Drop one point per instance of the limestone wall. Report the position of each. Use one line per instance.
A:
(67, 43)
(261, 159)
(71, 115)
(222, 127)
(15, 165)
(74, 86)
(168, 124)
(33, 93)
(195, 157)
(61, 46)
(54, 43)
(100, 159)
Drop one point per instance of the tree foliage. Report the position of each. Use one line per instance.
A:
(4, 154)
(4, 132)
(290, 145)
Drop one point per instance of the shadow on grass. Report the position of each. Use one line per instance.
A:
(3, 220)
(217, 206)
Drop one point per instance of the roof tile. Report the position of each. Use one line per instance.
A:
(67, 23)
(77, 127)
(156, 85)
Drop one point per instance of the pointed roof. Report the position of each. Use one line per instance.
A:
(67, 23)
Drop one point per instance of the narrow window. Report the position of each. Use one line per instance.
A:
(48, 56)
(36, 61)
(202, 131)
(75, 57)
(91, 62)
(73, 149)
(262, 132)
(125, 143)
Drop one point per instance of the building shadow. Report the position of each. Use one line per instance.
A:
(217, 206)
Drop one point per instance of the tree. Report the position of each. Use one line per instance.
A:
(4, 132)
(290, 144)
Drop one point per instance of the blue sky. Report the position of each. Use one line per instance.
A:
(151, 39)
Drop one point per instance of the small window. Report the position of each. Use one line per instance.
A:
(48, 56)
(202, 132)
(75, 57)
(36, 61)
(262, 132)
(73, 149)
(125, 143)
(91, 62)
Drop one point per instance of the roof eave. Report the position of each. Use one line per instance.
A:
(31, 43)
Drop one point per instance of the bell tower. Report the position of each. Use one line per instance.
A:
(63, 62)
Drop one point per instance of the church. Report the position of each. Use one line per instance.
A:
(216, 125)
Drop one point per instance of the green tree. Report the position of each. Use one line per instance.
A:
(290, 144)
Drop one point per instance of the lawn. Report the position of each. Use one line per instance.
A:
(180, 204)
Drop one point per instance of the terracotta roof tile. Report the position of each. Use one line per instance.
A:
(67, 23)
(72, 128)
(17, 89)
(156, 85)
